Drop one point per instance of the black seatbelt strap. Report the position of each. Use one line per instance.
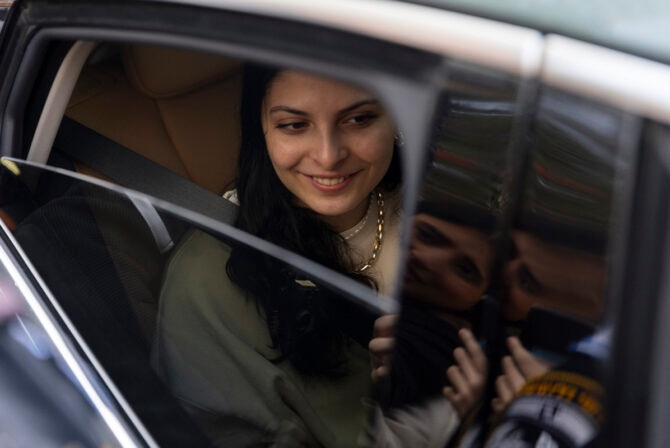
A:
(132, 170)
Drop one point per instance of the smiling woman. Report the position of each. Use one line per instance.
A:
(330, 144)
(319, 175)
(320, 154)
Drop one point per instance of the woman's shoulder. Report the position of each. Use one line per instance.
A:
(196, 271)
(199, 260)
(198, 245)
(197, 292)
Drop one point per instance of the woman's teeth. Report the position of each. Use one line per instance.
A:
(328, 181)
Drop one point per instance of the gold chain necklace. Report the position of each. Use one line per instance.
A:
(377, 247)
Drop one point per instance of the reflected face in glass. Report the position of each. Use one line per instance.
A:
(554, 277)
(330, 144)
(449, 264)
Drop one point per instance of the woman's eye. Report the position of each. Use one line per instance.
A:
(293, 126)
(467, 270)
(425, 236)
(361, 119)
(428, 235)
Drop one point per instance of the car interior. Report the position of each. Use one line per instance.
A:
(107, 280)
(185, 120)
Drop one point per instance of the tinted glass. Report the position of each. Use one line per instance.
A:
(556, 271)
(260, 335)
(511, 238)
(451, 278)
(560, 235)
(49, 396)
(149, 293)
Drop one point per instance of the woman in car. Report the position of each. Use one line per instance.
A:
(255, 349)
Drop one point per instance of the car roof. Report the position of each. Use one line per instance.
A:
(506, 47)
(635, 27)
(638, 27)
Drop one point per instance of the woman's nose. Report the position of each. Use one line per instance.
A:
(330, 150)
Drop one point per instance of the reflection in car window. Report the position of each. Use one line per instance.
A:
(555, 275)
(560, 235)
(451, 261)
(504, 289)
(209, 344)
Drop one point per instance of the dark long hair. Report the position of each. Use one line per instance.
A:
(298, 317)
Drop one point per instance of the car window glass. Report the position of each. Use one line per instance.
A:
(451, 278)
(510, 238)
(560, 235)
(557, 266)
(174, 332)
(309, 166)
(320, 157)
(38, 377)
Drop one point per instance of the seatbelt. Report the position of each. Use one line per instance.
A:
(134, 171)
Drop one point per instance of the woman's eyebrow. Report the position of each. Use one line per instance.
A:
(369, 101)
(287, 109)
(357, 104)
(444, 238)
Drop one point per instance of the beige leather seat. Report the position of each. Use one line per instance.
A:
(176, 107)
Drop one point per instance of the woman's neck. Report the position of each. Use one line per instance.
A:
(346, 221)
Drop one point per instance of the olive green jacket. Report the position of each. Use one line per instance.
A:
(213, 349)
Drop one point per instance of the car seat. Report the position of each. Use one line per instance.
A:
(176, 107)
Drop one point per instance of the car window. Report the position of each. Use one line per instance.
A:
(40, 373)
(175, 335)
(226, 332)
(317, 139)
(558, 271)
(511, 238)
(452, 273)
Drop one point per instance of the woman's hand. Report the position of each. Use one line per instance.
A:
(381, 346)
(468, 376)
(517, 369)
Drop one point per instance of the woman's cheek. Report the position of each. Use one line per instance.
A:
(375, 145)
(461, 294)
(283, 151)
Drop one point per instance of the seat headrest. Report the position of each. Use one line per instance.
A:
(160, 72)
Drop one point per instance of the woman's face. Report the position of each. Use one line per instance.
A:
(330, 144)
(555, 277)
(449, 264)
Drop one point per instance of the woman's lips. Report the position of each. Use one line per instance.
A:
(329, 181)
(332, 184)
